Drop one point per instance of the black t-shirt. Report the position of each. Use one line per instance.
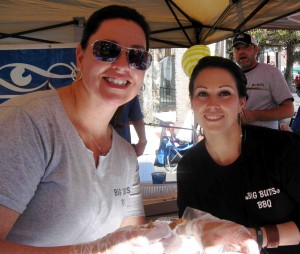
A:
(261, 187)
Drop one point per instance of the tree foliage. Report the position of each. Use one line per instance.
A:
(277, 39)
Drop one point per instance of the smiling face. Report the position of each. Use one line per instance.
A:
(115, 82)
(215, 100)
(245, 55)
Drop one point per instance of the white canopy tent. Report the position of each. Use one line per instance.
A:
(174, 23)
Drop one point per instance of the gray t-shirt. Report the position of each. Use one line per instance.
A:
(267, 89)
(49, 176)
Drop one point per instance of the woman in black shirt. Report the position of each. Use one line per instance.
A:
(244, 174)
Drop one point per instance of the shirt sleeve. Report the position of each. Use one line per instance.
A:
(21, 160)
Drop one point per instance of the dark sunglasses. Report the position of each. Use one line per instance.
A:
(108, 51)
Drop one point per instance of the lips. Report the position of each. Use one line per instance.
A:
(243, 58)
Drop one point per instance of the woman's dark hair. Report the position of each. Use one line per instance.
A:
(223, 63)
(113, 12)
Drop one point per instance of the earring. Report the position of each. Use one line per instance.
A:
(243, 117)
(143, 87)
(202, 132)
(240, 119)
(76, 74)
(240, 122)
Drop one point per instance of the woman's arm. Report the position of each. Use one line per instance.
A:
(8, 219)
(13, 248)
(133, 221)
(128, 237)
(288, 234)
(6, 224)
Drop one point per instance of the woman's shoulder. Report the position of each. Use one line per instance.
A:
(260, 130)
(33, 104)
(31, 98)
(195, 152)
(268, 136)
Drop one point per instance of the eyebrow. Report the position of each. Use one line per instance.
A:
(225, 86)
(222, 86)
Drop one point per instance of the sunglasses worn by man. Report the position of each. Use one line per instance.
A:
(108, 51)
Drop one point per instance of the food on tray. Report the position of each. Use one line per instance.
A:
(176, 222)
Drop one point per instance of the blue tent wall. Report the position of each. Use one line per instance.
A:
(28, 70)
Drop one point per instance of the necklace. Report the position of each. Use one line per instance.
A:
(94, 141)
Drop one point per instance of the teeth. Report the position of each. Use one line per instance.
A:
(119, 82)
(213, 117)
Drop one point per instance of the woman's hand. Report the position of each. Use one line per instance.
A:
(218, 236)
(144, 239)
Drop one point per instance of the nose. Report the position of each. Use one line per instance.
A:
(241, 50)
(121, 62)
(213, 103)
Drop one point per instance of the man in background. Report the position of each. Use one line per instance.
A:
(270, 99)
(132, 113)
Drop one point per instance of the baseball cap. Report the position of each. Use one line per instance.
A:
(245, 39)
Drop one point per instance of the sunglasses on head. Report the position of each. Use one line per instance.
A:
(108, 51)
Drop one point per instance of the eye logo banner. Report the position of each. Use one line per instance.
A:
(28, 70)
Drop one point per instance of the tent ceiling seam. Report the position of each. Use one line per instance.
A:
(219, 19)
(18, 35)
(176, 18)
(251, 15)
